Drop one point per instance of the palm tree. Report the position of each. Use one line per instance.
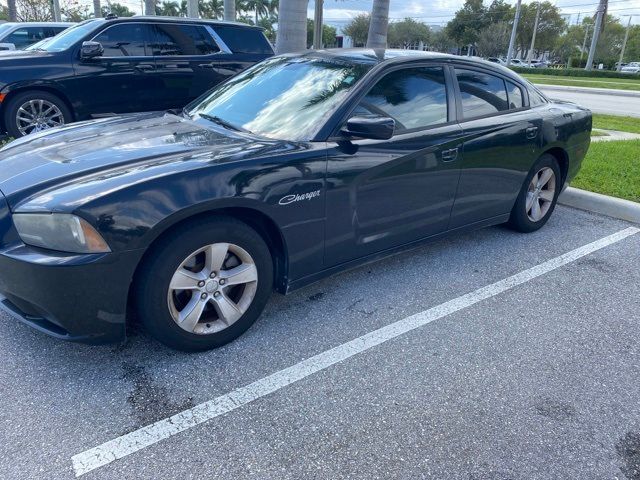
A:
(292, 26)
(379, 25)
(13, 10)
(260, 8)
(211, 9)
(230, 10)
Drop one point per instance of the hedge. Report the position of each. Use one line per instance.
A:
(575, 72)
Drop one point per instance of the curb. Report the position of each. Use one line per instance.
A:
(602, 204)
(598, 91)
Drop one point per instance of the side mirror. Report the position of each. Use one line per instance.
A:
(375, 128)
(7, 46)
(91, 50)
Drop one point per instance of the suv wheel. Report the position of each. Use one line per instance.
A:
(205, 285)
(31, 112)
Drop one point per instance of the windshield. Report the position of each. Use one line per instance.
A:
(287, 98)
(70, 36)
(5, 28)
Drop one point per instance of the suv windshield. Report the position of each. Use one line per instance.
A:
(70, 36)
(284, 98)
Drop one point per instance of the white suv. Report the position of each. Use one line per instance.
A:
(633, 67)
(17, 36)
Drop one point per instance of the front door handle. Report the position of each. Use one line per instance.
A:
(532, 132)
(450, 155)
(145, 67)
(207, 65)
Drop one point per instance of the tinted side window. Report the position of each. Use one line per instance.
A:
(175, 39)
(536, 98)
(481, 93)
(124, 40)
(413, 97)
(23, 37)
(516, 99)
(244, 40)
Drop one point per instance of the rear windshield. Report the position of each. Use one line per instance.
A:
(244, 40)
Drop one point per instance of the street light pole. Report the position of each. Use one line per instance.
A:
(56, 10)
(596, 34)
(533, 37)
(624, 44)
(584, 43)
(192, 8)
(317, 25)
(512, 40)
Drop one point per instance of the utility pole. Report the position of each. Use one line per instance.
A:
(192, 9)
(230, 10)
(149, 7)
(55, 4)
(624, 44)
(584, 42)
(597, 28)
(317, 25)
(533, 37)
(512, 40)
(13, 10)
(96, 9)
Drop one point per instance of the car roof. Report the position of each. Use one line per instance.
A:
(398, 56)
(163, 19)
(39, 24)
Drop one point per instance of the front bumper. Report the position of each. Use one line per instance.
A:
(80, 298)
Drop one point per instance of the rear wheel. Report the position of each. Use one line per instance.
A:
(32, 112)
(538, 196)
(205, 285)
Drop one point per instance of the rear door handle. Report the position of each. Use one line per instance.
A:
(532, 132)
(450, 155)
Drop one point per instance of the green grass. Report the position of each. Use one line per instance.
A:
(614, 122)
(617, 83)
(612, 168)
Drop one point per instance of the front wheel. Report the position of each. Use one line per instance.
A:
(538, 196)
(31, 112)
(205, 285)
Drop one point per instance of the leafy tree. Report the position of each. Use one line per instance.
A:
(268, 24)
(358, 29)
(494, 41)
(171, 8)
(407, 32)
(468, 22)
(441, 42)
(118, 9)
(499, 11)
(550, 27)
(328, 34)
(34, 11)
(211, 9)
(74, 11)
(4, 13)
(632, 52)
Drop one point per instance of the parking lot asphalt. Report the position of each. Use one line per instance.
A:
(537, 381)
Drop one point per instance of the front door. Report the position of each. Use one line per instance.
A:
(386, 193)
(120, 80)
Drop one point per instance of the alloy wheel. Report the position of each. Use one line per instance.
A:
(212, 288)
(541, 194)
(37, 115)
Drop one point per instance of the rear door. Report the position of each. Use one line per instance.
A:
(386, 193)
(501, 142)
(119, 80)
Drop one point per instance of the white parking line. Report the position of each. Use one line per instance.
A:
(137, 440)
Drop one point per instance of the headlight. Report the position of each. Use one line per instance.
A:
(57, 231)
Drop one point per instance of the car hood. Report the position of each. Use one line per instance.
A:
(16, 57)
(49, 159)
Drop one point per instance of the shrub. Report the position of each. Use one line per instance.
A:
(575, 72)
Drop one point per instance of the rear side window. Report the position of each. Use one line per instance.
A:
(176, 39)
(481, 93)
(515, 96)
(413, 97)
(536, 98)
(244, 40)
(124, 40)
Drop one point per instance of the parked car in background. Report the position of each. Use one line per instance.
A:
(497, 60)
(300, 167)
(516, 62)
(632, 67)
(118, 65)
(19, 35)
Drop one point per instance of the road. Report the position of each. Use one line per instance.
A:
(612, 104)
(532, 377)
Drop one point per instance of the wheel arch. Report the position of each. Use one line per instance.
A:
(49, 88)
(264, 225)
(562, 157)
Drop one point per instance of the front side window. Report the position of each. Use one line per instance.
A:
(175, 39)
(24, 37)
(481, 93)
(413, 97)
(124, 40)
(283, 97)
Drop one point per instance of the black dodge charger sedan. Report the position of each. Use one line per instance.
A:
(119, 65)
(302, 166)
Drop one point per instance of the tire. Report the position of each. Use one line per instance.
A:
(523, 219)
(166, 286)
(42, 101)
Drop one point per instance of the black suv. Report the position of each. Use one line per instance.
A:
(101, 67)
